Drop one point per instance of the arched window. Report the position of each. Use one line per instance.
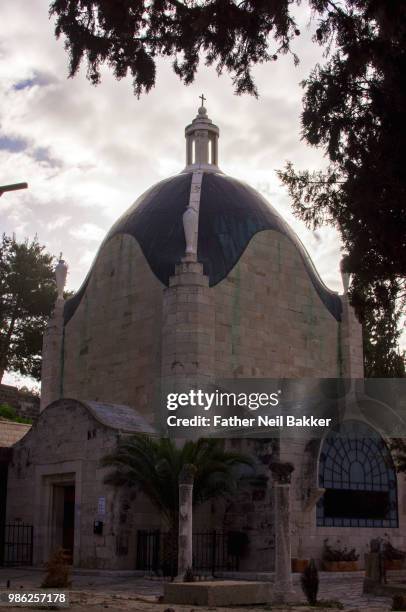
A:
(357, 471)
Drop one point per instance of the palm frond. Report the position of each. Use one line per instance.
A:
(153, 466)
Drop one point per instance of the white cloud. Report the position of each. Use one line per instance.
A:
(16, 380)
(58, 222)
(88, 231)
(87, 257)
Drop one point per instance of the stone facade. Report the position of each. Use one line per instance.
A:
(252, 508)
(307, 537)
(131, 334)
(266, 317)
(52, 457)
(270, 322)
(112, 344)
(140, 326)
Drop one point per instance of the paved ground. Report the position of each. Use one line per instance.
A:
(127, 591)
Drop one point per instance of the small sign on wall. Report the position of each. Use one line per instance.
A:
(101, 506)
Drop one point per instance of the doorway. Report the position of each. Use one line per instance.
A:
(64, 519)
(68, 521)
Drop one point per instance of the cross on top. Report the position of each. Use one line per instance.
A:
(203, 99)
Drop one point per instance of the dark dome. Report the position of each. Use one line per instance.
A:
(230, 214)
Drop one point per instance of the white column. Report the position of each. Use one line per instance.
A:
(185, 543)
(52, 347)
(281, 473)
(52, 344)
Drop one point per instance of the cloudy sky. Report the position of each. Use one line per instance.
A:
(88, 152)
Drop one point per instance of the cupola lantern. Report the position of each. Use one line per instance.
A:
(202, 141)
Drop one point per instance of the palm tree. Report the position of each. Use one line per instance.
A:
(153, 466)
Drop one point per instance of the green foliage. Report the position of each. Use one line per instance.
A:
(376, 293)
(354, 107)
(380, 309)
(337, 553)
(391, 553)
(128, 36)
(309, 581)
(27, 294)
(9, 412)
(154, 465)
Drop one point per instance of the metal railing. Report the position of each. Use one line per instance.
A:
(213, 551)
(16, 541)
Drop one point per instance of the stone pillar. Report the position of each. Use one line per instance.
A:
(201, 146)
(187, 354)
(352, 354)
(52, 347)
(374, 568)
(281, 473)
(351, 342)
(185, 542)
(52, 344)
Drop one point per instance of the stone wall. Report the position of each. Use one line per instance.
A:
(307, 537)
(65, 447)
(270, 321)
(26, 405)
(112, 342)
(251, 508)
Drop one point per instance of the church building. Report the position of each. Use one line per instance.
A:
(200, 280)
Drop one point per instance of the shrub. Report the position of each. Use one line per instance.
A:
(338, 553)
(9, 412)
(310, 582)
(58, 571)
(390, 553)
